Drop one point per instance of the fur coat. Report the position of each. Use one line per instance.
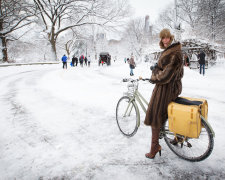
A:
(167, 77)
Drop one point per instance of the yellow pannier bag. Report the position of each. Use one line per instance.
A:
(203, 106)
(184, 116)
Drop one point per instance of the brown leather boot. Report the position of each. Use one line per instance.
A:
(155, 147)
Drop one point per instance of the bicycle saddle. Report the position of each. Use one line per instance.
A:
(184, 101)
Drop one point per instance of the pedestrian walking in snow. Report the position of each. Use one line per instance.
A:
(132, 65)
(89, 61)
(76, 61)
(125, 60)
(85, 61)
(201, 61)
(186, 60)
(166, 76)
(73, 61)
(81, 59)
(64, 61)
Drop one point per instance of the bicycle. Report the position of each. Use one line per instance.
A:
(128, 121)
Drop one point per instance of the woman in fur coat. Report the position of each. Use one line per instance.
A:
(167, 79)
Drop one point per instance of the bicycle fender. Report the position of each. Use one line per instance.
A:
(210, 127)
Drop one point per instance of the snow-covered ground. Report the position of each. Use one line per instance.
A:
(60, 124)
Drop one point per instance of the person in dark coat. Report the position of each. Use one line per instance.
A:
(167, 77)
(85, 61)
(186, 60)
(64, 61)
(76, 61)
(201, 61)
(73, 61)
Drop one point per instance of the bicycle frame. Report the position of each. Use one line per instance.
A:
(139, 98)
(136, 96)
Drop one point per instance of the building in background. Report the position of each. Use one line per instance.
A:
(147, 31)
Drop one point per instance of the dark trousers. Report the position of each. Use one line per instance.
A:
(65, 65)
(202, 69)
(73, 63)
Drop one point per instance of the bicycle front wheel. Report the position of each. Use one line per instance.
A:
(192, 149)
(127, 116)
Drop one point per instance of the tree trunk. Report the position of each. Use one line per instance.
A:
(67, 46)
(52, 40)
(53, 45)
(3, 39)
(4, 49)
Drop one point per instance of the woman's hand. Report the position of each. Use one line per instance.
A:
(152, 82)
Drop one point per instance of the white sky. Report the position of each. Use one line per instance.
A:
(150, 7)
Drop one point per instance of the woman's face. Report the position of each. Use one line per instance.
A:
(166, 41)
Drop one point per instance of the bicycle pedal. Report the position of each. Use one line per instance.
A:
(189, 145)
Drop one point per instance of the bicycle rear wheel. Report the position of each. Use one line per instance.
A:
(193, 149)
(127, 116)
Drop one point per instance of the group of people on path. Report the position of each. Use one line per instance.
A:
(82, 60)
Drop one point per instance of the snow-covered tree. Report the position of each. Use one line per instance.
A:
(14, 15)
(213, 21)
(205, 18)
(134, 35)
(166, 19)
(199, 18)
(59, 16)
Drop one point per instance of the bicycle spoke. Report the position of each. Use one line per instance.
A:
(126, 116)
(200, 147)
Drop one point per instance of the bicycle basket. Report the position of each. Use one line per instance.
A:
(131, 89)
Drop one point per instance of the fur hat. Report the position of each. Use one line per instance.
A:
(165, 33)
